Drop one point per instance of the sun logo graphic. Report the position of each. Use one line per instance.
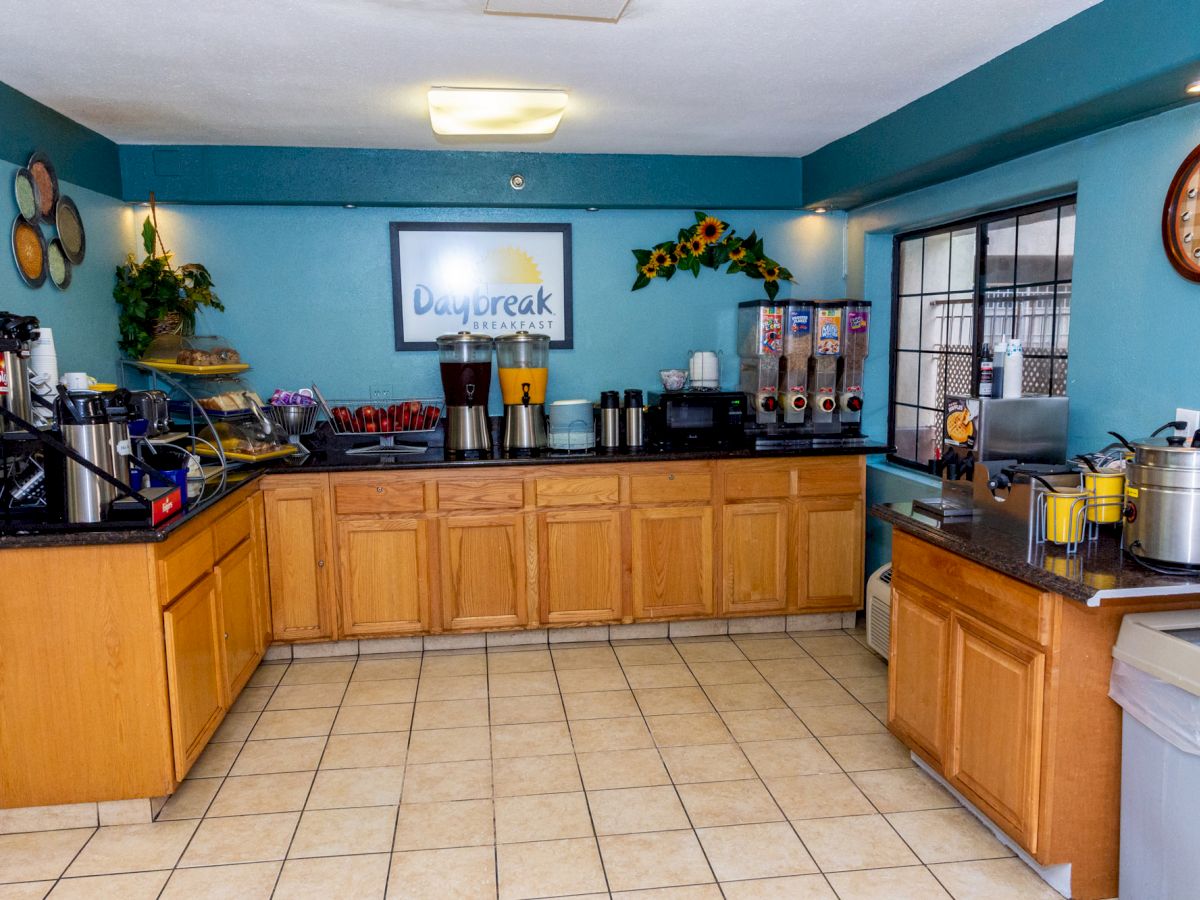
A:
(509, 265)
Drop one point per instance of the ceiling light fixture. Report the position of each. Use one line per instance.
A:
(474, 111)
(819, 210)
(1194, 88)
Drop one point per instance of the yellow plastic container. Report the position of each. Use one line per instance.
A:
(1107, 491)
(1064, 516)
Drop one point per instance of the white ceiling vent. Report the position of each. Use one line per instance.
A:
(597, 10)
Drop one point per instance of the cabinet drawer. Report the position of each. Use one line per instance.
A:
(231, 529)
(479, 493)
(376, 495)
(670, 487)
(822, 477)
(186, 564)
(587, 490)
(994, 598)
(756, 484)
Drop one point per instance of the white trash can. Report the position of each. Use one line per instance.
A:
(1156, 681)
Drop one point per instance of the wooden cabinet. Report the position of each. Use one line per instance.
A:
(238, 591)
(195, 676)
(484, 571)
(755, 557)
(996, 695)
(829, 541)
(383, 578)
(299, 556)
(918, 664)
(579, 566)
(672, 556)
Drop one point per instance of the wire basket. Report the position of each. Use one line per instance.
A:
(391, 423)
(295, 420)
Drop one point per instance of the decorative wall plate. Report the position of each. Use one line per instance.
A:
(69, 224)
(1181, 218)
(29, 251)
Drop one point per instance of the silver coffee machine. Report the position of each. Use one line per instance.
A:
(17, 334)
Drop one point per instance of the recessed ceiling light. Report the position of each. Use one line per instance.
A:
(599, 10)
(820, 209)
(465, 111)
(1194, 87)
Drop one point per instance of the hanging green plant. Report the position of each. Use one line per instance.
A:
(710, 243)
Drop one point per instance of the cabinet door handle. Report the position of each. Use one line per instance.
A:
(227, 635)
(379, 490)
(320, 563)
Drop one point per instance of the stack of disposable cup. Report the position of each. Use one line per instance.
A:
(704, 369)
(43, 375)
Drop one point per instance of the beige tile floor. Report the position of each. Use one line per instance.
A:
(749, 766)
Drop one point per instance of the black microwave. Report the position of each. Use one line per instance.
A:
(700, 419)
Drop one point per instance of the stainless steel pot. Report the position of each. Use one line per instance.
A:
(1162, 503)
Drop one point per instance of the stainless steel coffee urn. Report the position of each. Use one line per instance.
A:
(84, 422)
(1162, 502)
(17, 334)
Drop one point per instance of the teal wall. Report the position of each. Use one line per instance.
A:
(84, 317)
(1133, 355)
(309, 297)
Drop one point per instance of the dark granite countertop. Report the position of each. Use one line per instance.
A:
(1099, 572)
(433, 458)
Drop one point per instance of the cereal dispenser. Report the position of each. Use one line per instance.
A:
(797, 351)
(827, 349)
(854, 355)
(760, 342)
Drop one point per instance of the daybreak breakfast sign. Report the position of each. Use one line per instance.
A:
(485, 278)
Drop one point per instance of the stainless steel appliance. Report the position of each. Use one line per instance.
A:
(701, 419)
(635, 411)
(466, 368)
(17, 334)
(991, 448)
(153, 407)
(523, 361)
(84, 424)
(610, 421)
(117, 406)
(1162, 502)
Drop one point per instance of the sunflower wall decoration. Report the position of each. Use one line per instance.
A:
(710, 243)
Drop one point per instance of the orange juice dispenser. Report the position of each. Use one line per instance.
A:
(827, 348)
(523, 361)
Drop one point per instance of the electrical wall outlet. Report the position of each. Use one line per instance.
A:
(380, 392)
(1192, 417)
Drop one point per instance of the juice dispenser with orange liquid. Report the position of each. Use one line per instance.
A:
(523, 362)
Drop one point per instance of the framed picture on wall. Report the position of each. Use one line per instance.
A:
(488, 278)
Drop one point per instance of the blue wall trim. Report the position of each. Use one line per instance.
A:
(80, 155)
(330, 176)
(1112, 63)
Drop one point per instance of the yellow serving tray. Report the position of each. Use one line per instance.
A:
(176, 368)
(201, 450)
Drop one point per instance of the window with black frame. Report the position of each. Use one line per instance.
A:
(967, 285)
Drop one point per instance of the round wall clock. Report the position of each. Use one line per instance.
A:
(1181, 218)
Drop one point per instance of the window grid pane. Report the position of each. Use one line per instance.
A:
(1027, 257)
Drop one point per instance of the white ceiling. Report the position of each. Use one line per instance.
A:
(754, 77)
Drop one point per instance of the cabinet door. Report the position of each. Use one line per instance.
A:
(829, 547)
(383, 578)
(237, 589)
(298, 550)
(484, 571)
(754, 558)
(579, 566)
(195, 680)
(672, 561)
(918, 671)
(997, 690)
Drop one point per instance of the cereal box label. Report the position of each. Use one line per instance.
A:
(799, 322)
(829, 332)
(772, 330)
(857, 321)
